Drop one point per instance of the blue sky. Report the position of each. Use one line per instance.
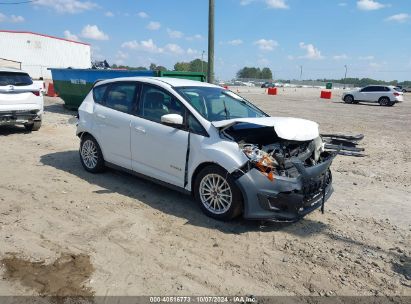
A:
(371, 37)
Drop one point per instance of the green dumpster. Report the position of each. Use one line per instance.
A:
(329, 85)
(185, 75)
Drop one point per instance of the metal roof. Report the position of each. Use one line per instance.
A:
(43, 35)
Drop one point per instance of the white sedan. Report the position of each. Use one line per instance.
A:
(207, 141)
(384, 95)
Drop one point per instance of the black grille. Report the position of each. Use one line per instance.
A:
(315, 185)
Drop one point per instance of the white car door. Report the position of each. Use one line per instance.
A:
(158, 150)
(113, 120)
(364, 94)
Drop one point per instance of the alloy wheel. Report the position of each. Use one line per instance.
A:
(215, 193)
(89, 154)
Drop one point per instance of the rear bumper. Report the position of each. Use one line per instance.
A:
(19, 116)
(286, 199)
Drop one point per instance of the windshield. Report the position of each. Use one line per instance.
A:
(216, 104)
(15, 79)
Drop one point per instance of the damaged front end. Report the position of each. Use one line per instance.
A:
(283, 179)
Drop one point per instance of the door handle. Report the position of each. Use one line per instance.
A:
(101, 116)
(140, 130)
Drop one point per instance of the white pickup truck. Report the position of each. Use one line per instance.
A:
(21, 101)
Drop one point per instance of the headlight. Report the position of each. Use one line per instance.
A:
(263, 161)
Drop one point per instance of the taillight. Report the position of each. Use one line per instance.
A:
(396, 94)
(37, 93)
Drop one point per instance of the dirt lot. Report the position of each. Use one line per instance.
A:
(138, 238)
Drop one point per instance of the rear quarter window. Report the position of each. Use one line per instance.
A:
(15, 79)
(98, 93)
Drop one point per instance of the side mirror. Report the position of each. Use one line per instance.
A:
(172, 120)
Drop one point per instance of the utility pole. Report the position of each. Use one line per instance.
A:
(345, 77)
(202, 62)
(301, 73)
(211, 41)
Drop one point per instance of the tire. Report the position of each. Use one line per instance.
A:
(221, 205)
(349, 99)
(34, 126)
(384, 101)
(91, 156)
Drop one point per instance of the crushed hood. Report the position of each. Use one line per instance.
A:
(285, 127)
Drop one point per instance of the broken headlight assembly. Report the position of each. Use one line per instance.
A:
(263, 161)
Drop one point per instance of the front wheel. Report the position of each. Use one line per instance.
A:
(217, 194)
(90, 155)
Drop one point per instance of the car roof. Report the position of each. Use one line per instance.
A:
(168, 81)
(11, 70)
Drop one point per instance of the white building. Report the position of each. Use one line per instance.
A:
(38, 52)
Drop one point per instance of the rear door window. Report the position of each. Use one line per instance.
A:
(121, 96)
(15, 79)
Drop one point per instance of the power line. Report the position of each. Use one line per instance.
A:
(17, 2)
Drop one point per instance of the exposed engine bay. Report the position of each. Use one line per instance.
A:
(272, 155)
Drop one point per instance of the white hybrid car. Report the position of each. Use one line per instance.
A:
(21, 101)
(205, 140)
(384, 95)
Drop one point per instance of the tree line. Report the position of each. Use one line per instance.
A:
(362, 82)
(196, 65)
(199, 65)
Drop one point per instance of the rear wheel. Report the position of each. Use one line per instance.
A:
(349, 99)
(384, 101)
(217, 193)
(90, 155)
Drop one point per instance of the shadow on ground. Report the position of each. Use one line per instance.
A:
(169, 201)
(59, 109)
(11, 130)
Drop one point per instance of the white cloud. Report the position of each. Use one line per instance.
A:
(235, 42)
(144, 45)
(149, 46)
(195, 37)
(11, 19)
(109, 14)
(173, 49)
(121, 55)
(311, 51)
(375, 65)
(369, 57)
(266, 45)
(193, 52)
(174, 34)
(70, 36)
(401, 18)
(153, 26)
(142, 15)
(369, 5)
(246, 2)
(277, 4)
(67, 6)
(263, 61)
(93, 32)
(340, 57)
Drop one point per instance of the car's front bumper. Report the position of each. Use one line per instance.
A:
(286, 199)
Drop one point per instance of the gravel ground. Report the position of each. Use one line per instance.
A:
(138, 238)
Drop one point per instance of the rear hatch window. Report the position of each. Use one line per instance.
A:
(15, 79)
